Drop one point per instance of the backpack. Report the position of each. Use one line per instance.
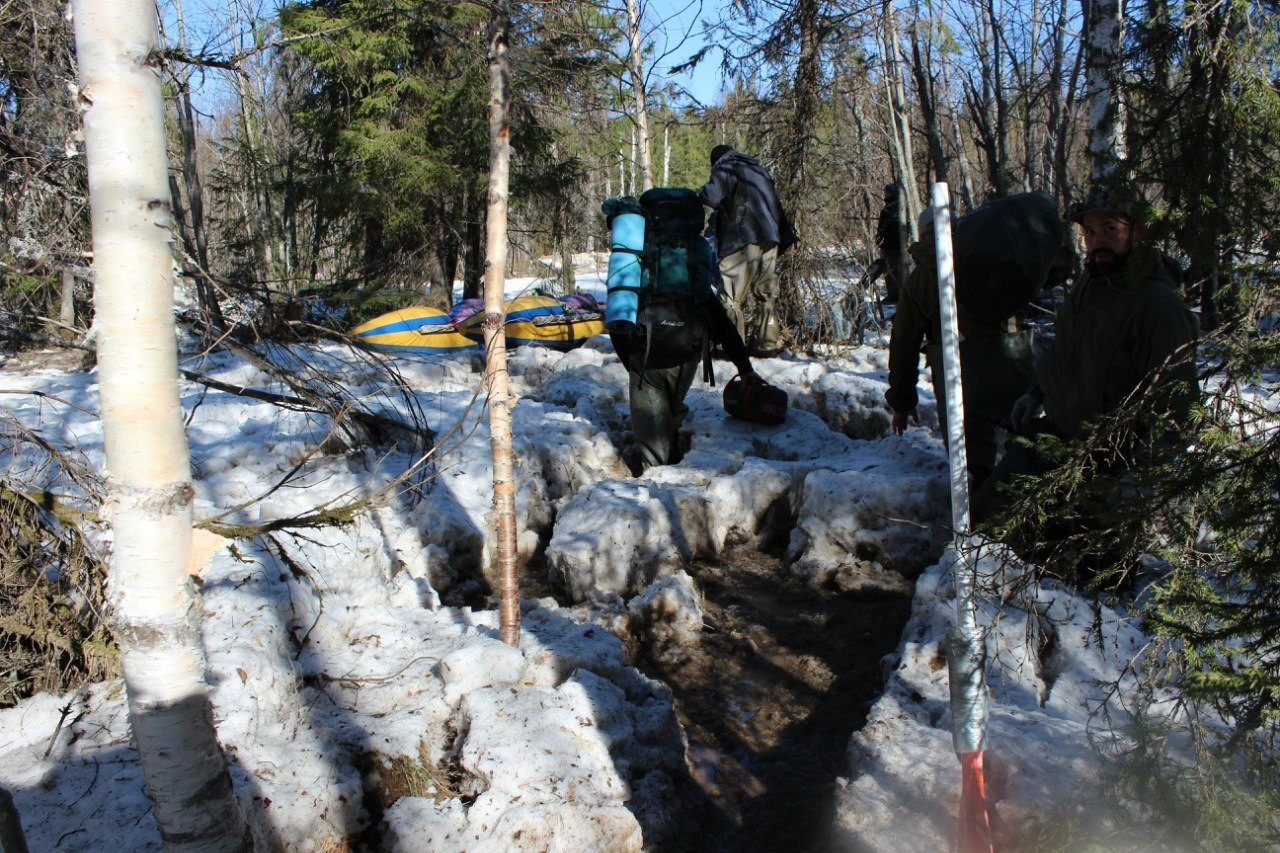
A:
(1004, 252)
(672, 322)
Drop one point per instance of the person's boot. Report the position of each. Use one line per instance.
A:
(766, 337)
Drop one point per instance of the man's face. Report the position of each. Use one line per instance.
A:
(1108, 239)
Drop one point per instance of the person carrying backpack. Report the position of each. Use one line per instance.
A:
(751, 230)
(889, 242)
(1004, 253)
(677, 316)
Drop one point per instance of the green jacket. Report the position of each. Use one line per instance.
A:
(1112, 335)
(919, 320)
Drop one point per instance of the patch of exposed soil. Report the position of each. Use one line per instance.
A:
(769, 698)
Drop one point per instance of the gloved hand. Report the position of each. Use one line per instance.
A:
(899, 422)
(1024, 413)
(750, 377)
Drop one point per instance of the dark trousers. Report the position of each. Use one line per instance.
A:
(892, 277)
(658, 408)
(997, 492)
(995, 371)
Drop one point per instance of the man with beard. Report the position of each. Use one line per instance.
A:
(1122, 327)
(1122, 330)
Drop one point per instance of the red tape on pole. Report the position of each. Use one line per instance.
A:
(975, 812)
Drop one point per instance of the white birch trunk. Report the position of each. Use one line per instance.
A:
(962, 156)
(495, 345)
(150, 591)
(1034, 167)
(67, 310)
(633, 164)
(900, 121)
(1105, 119)
(666, 156)
(641, 95)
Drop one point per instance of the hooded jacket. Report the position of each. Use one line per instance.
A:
(919, 321)
(1115, 333)
(747, 208)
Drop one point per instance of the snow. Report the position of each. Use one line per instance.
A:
(334, 651)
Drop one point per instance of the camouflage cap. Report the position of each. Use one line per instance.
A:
(1110, 199)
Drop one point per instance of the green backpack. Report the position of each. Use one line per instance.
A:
(675, 279)
(1004, 252)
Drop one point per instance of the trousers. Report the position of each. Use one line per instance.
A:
(749, 279)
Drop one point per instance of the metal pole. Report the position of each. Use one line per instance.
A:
(965, 645)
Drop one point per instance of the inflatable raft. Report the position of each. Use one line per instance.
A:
(413, 331)
(543, 321)
(562, 323)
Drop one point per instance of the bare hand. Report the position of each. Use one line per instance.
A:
(900, 421)
(1024, 413)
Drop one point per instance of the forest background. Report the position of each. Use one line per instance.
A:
(336, 156)
(341, 148)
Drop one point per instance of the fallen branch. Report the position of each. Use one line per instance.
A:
(381, 428)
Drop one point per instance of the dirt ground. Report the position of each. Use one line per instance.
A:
(769, 698)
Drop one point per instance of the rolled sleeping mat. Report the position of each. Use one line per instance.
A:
(623, 282)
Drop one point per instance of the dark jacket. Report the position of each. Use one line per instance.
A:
(630, 347)
(888, 232)
(917, 321)
(747, 208)
(1112, 335)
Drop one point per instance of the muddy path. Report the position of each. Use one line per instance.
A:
(781, 678)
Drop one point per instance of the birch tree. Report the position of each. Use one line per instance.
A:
(495, 346)
(899, 119)
(150, 590)
(640, 91)
(1102, 31)
(926, 92)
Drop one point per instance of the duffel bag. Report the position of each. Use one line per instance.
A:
(758, 402)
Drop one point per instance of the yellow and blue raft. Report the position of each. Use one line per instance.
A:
(413, 331)
(544, 321)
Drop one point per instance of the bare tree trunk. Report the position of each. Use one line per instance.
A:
(67, 314)
(1000, 164)
(1104, 22)
(638, 89)
(1058, 106)
(962, 155)
(900, 123)
(633, 162)
(153, 606)
(258, 200)
(795, 184)
(666, 155)
(473, 251)
(500, 399)
(922, 67)
(191, 226)
(1031, 106)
